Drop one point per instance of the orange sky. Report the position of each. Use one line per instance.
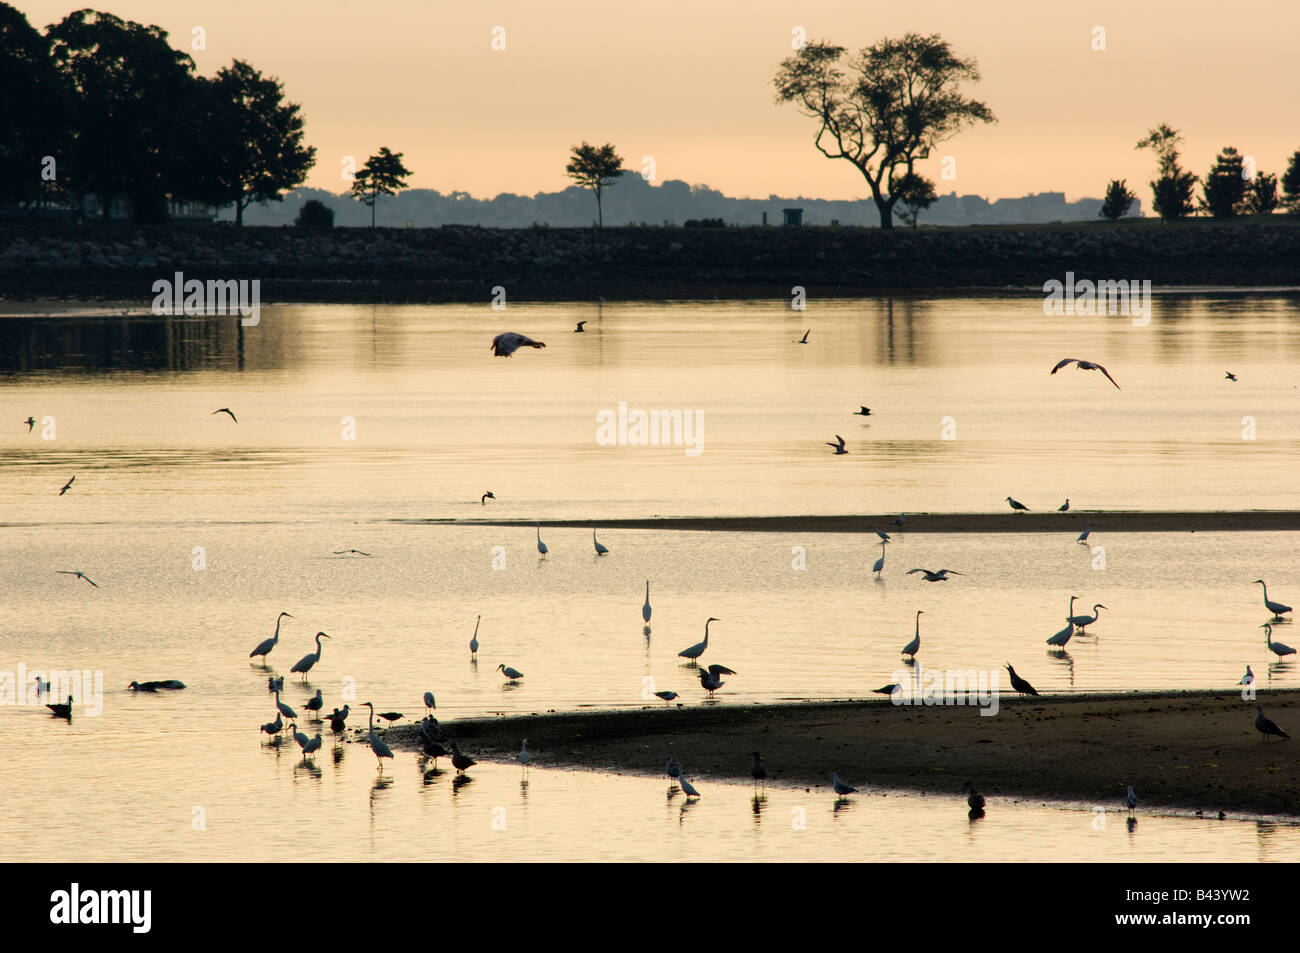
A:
(691, 85)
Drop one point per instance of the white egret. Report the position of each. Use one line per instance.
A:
(1131, 799)
(473, 641)
(510, 673)
(1083, 537)
(1017, 505)
(880, 563)
(1277, 648)
(1083, 621)
(1062, 637)
(976, 800)
(541, 547)
(1018, 683)
(283, 708)
(840, 787)
(600, 550)
(430, 702)
(298, 736)
(1274, 607)
(645, 609)
(377, 744)
(911, 648)
(1265, 725)
(305, 663)
(264, 648)
(505, 344)
(687, 787)
(1248, 678)
(839, 447)
(696, 650)
(1086, 366)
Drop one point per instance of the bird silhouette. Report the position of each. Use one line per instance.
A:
(804, 339)
(1228, 375)
(225, 410)
(30, 422)
(1262, 722)
(489, 495)
(864, 412)
(67, 486)
(1086, 366)
(1017, 506)
(505, 344)
(839, 447)
(79, 574)
(1018, 683)
(579, 328)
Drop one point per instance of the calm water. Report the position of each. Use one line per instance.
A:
(162, 484)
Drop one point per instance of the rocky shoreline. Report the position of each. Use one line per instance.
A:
(460, 263)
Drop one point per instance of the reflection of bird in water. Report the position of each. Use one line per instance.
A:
(264, 647)
(377, 744)
(1018, 683)
(1264, 724)
(503, 345)
(693, 652)
(225, 410)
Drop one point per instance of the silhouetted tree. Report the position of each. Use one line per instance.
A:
(33, 111)
(894, 103)
(914, 193)
(1224, 190)
(255, 139)
(383, 174)
(1171, 192)
(129, 96)
(595, 168)
(1261, 194)
(1291, 183)
(1118, 200)
(315, 214)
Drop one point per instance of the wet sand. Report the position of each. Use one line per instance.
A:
(1074, 521)
(1187, 750)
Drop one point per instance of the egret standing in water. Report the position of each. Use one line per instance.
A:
(1274, 607)
(541, 547)
(473, 641)
(511, 674)
(756, 770)
(696, 650)
(1277, 648)
(1131, 799)
(305, 663)
(1064, 636)
(377, 745)
(1083, 621)
(911, 648)
(524, 757)
(430, 702)
(645, 609)
(600, 550)
(264, 648)
(880, 563)
(283, 708)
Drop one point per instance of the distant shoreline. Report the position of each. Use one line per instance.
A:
(1194, 750)
(463, 264)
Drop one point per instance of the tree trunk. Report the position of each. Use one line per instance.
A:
(239, 212)
(374, 199)
(600, 215)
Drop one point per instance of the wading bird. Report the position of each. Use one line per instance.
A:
(524, 757)
(284, 709)
(1131, 799)
(489, 495)
(1248, 678)
(880, 563)
(338, 720)
(312, 746)
(264, 648)
(884, 537)
(1017, 505)
(377, 745)
(673, 769)
(225, 410)
(298, 736)
(541, 547)
(503, 345)
(1064, 636)
(939, 576)
(756, 770)
(62, 711)
(687, 788)
(30, 422)
(67, 486)
(579, 329)
(1083, 621)
(645, 609)
(510, 673)
(170, 684)
(911, 648)
(390, 716)
(315, 704)
(1277, 648)
(433, 750)
(666, 696)
(430, 702)
(839, 447)
(275, 683)
(863, 412)
(274, 727)
(304, 664)
(1064, 507)
(840, 787)
(461, 762)
(804, 339)
(976, 800)
(1018, 683)
(79, 574)
(1228, 375)
(1263, 723)
(1274, 607)
(1083, 537)
(709, 677)
(473, 639)
(696, 650)
(600, 550)
(899, 521)
(1086, 366)
(888, 689)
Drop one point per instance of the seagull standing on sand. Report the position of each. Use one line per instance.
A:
(1085, 366)
(839, 447)
(1017, 505)
(840, 787)
(503, 345)
(1064, 507)
(227, 410)
(1264, 724)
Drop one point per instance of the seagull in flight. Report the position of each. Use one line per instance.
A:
(1228, 375)
(804, 339)
(344, 552)
(839, 447)
(579, 329)
(79, 574)
(489, 495)
(940, 576)
(225, 410)
(30, 422)
(1086, 366)
(864, 412)
(505, 344)
(67, 486)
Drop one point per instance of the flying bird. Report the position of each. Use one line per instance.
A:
(864, 412)
(79, 574)
(940, 576)
(1086, 366)
(839, 447)
(344, 552)
(804, 339)
(226, 410)
(579, 328)
(67, 486)
(503, 345)
(1017, 505)
(30, 422)
(1228, 375)
(1018, 683)
(489, 495)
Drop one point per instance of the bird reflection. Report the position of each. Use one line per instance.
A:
(1063, 656)
(757, 804)
(459, 782)
(308, 767)
(686, 806)
(523, 788)
(338, 753)
(975, 814)
(842, 804)
(1132, 824)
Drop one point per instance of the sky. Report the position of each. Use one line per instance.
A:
(690, 84)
